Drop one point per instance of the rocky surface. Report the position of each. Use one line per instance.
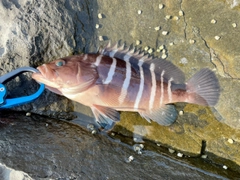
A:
(51, 149)
(33, 32)
(200, 33)
(7, 173)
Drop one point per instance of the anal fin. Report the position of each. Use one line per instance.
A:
(105, 116)
(165, 116)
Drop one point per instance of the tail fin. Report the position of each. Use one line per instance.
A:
(203, 88)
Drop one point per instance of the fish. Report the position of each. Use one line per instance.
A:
(125, 79)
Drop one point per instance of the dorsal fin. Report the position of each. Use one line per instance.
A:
(134, 56)
(121, 52)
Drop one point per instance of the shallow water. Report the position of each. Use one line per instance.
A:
(204, 164)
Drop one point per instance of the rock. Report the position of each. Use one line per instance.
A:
(220, 56)
(43, 31)
(198, 123)
(34, 32)
(7, 173)
(63, 150)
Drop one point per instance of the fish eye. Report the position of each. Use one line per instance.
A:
(60, 63)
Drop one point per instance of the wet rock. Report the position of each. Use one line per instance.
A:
(52, 149)
(223, 54)
(194, 25)
(7, 173)
(34, 32)
(43, 31)
(220, 56)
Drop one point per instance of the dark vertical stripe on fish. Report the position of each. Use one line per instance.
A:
(146, 93)
(141, 86)
(103, 66)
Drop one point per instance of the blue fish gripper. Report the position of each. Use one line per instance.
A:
(8, 103)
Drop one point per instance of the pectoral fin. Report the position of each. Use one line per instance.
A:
(105, 116)
(166, 115)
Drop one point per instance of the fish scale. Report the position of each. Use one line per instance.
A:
(123, 79)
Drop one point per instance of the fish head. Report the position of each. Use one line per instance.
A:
(66, 73)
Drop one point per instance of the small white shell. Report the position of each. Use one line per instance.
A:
(164, 33)
(157, 28)
(183, 60)
(161, 47)
(171, 150)
(175, 18)
(167, 17)
(180, 13)
(161, 6)
(28, 114)
(139, 12)
(181, 112)
(100, 16)
(163, 51)
(171, 43)
(92, 128)
(213, 21)
(234, 25)
(179, 154)
(217, 37)
(204, 156)
(97, 26)
(150, 51)
(135, 139)
(138, 148)
(130, 158)
(158, 50)
(230, 141)
(164, 56)
(138, 42)
(94, 131)
(225, 167)
(146, 48)
(100, 38)
(192, 41)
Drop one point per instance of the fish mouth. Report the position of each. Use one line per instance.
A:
(39, 75)
(43, 70)
(45, 76)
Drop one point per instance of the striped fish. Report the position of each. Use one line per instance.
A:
(120, 79)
